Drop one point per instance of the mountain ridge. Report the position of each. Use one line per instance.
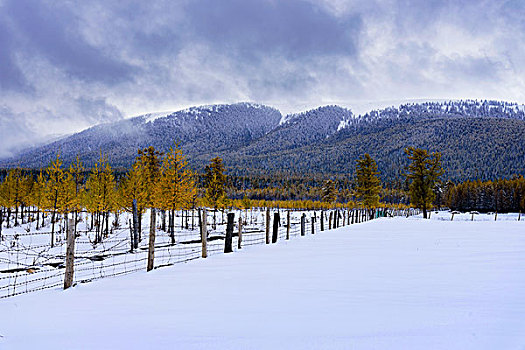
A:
(258, 138)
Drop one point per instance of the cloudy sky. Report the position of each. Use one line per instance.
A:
(66, 65)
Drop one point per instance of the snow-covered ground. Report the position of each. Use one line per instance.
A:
(385, 284)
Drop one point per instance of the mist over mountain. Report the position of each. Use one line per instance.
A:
(199, 130)
(478, 139)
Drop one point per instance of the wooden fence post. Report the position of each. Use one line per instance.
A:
(70, 254)
(229, 233)
(276, 219)
(288, 225)
(204, 232)
(135, 225)
(322, 220)
(313, 223)
(303, 221)
(239, 240)
(330, 221)
(151, 245)
(267, 225)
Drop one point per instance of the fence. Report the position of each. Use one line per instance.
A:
(28, 262)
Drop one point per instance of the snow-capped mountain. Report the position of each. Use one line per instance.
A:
(478, 139)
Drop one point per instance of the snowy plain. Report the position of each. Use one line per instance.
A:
(390, 283)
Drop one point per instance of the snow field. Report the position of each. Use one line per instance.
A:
(385, 284)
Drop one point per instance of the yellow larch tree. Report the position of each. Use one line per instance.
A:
(176, 187)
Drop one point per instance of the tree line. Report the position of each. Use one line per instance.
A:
(164, 182)
(155, 180)
(503, 195)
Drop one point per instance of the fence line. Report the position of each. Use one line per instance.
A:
(34, 267)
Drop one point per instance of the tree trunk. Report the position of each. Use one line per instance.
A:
(139, 216)
(132, 240)
(53, 223)
(107, 223)
(22, 213)
(16, 215)
(171, 228)
(8, 217)
(37, 219)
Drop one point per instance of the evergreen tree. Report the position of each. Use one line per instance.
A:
(15, 192)
(215, 181)
(328, 192)
(149, 169)
(100, 195)
(149, 162)
(367, 181)
(36, 197)
(176, 186)
(7, 195)
(132, 187)
(76, 174)
(423, 173)
(54, 191)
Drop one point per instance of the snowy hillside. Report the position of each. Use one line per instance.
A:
(199, 130)
(477, 139)
(385, 284)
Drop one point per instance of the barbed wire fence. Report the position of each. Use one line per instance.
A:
(33, 265)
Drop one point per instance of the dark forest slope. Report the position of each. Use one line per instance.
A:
(478, 139)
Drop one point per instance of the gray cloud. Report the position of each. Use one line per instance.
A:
(68, 65)
(293, 28)
(51, 30)
(11, 77)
